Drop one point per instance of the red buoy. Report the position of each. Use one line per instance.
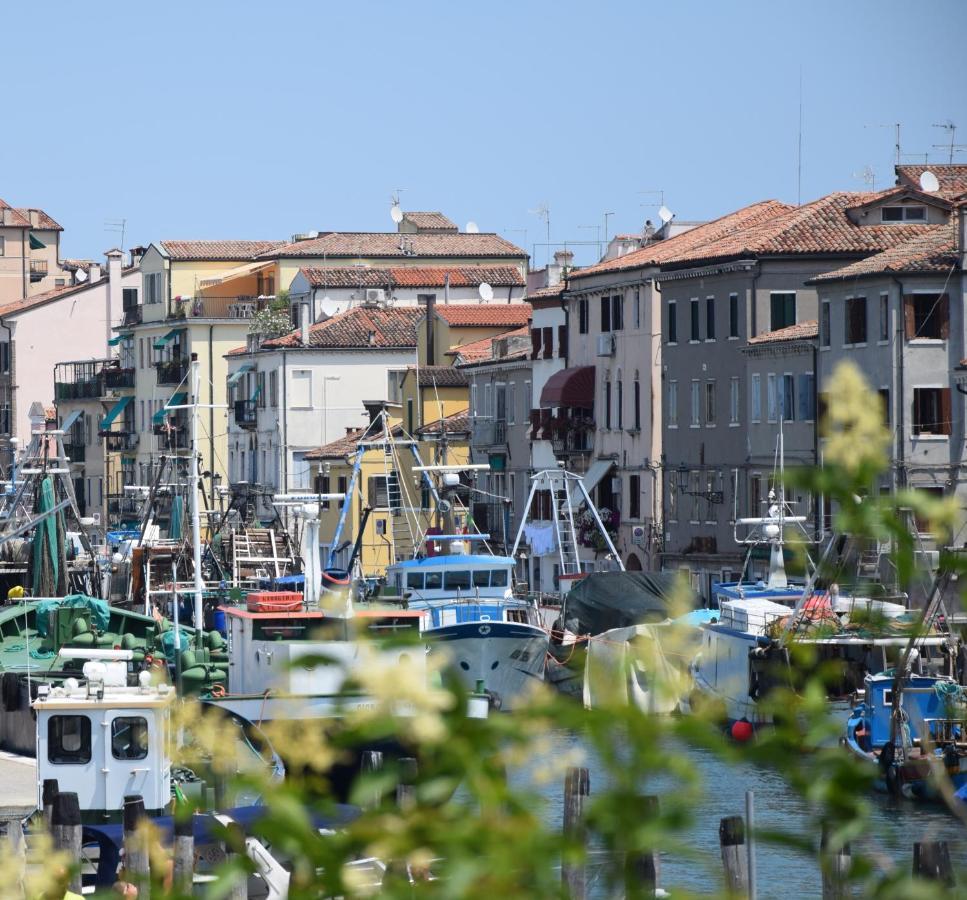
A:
(742, 731)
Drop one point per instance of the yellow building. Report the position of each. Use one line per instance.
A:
(30, 261)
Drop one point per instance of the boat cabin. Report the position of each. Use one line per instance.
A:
(923, 702)
(103, 740)
(445, 578)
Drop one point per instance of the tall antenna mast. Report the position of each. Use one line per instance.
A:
(543, 211)
(948, 126)
(117, 226)
(799, 154)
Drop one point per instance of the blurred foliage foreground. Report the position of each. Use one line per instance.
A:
(483, 834)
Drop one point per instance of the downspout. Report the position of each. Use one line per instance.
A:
(900, 403)
(23, 263)
(13, 405)
(285, 429)
(816, 514)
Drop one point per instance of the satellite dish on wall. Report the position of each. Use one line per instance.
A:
(666, 215)
(929, 182)
(486, 291)
(472, 228)
(395, 213)
(328, 307)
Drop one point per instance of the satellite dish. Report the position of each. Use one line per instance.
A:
(486, 291)
(328, 307)
(666, 215)
(929, 182)
(395, 213)
(472, 228)
(80, 275)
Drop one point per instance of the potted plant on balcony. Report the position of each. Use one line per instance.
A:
(589, 535)
(274, 319)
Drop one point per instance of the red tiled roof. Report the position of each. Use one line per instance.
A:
(932, 252)
(430, 220)
(12, 218)
(402, 246)
(484, 315)
(44, 222)
(548, 293)
(453, 424)
(799, 332)
(440, 376)
(198, 250)
(477, 351)
(340, 447)
(683, 245)
(18, 306)
(411, 276)
(952, 178)
(360, 327)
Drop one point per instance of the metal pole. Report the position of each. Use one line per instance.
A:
(750, 840)
(193, 496)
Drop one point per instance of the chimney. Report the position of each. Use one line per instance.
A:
(304, 323)
(557, 269)
(115, 297)
(136, 254)
(429, 300)
(94, 273)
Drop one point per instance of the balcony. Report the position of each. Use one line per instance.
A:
(246, 414)
(116, 378)
(38, 269)
(78, 380)
(76, 453)
(120, 441)
(132, 315)
(489, 434)
(238, 307)
(123, 507)
(172, 371)
(172, 436)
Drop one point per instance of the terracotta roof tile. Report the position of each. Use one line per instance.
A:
(362, 327)
(483, 350)
(401, 246)
(18, 306)
(435, 221)
(411, 276)
(455, 423)
(801, 331)
(197, 250)
(12, 218)
(952, 178)
(484, 315)
(44, 222)
(551, 292)
(341, 447)
(440, 376)
(684, 245)
(934, 251)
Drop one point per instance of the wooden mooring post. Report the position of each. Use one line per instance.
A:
(136, 859)
(734, 856)
(931, 860)
(405, 788)
(643, 868)
(835, 863)
(66, 830)
(50, 791)
(577, 787)
(184, 853)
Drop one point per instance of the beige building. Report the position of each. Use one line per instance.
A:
(29, 254)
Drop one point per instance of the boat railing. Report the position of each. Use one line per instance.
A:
(945, 731)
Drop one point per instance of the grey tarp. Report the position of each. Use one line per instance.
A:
(605, 600)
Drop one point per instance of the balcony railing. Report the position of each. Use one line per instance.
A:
(80, 389)
(115, 378)
(246, 414)
(38, 269)
(489, 434)
(119, 441)
(123, 505)
(132, 315)
(76, 453)
(172, 371)
(239, 307)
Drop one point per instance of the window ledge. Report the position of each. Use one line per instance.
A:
(709, 340)
(671, 343)
(824, 349)
(694, 426)
(710, 424)
(927, 342)
(858, 346)
(673, 427)
(695, 341)
(734, 424)
(883, 343)
(930, 437)
(734, 337)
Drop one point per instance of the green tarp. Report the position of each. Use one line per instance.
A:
(168, 642)
(100, 612)
(48, 546)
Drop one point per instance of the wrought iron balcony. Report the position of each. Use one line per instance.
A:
(76, 452)
(246, 414)
(119, 441)
(172, 371)
(172, 435)
(38, 269)
(115, 378)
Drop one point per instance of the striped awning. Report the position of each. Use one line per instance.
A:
(239, 372)
(114, 412)
(175, 400)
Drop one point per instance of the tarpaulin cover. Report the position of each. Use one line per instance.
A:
(168, 642)
(605, 600)
(100, 611)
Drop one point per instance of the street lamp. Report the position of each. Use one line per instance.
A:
(710, 496)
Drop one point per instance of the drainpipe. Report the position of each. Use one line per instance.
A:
(816, 505)
(13, 405)
(285, 429)
(900, 404)
(23, 264)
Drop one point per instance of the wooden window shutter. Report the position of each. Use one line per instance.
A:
(562, 341)
(535, 343)
(909, 317)
(943, 313)
(945, 411)
(548, 342)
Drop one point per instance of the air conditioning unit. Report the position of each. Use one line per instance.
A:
(638, 535)
(606, 345)
(927, 559)
(375, 296)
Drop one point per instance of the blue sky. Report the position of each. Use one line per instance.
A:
(244, 120)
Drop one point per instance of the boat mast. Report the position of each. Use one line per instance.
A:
(193, 496)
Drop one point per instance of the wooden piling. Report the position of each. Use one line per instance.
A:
(577, 786)
(835, 864)
(238, 890)
(734, 858)
(137, 864)
(66, 831)
(405, 790)
(643, 868)
(184, 854)
(50, 791)
(931, 860)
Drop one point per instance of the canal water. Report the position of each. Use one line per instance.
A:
(783, 871)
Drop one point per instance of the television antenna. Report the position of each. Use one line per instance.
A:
(597, 235)
(658, 195)
(395, 210)
(543, 211)
(896, 147)
(950, 127)
(867, 176)
(117, 226)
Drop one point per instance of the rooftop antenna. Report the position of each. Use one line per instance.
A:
(896, 147)
(799, 152)
(606, 225)
(867, 176)
(543, 211)
(117, 226)
(947, 126)
(395, 210)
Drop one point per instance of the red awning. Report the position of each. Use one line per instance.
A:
(570, 387)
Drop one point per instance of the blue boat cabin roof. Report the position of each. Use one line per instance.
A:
(454, 559)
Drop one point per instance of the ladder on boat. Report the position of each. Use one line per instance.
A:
(258, 553)
(564, 524)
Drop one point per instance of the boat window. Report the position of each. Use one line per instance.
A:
(481, 578)
(888, 698)
(517, 615)
(281, 629)
(457, 581)
(129, 737)
(434, 581)
(498, 578)
(69, 740)
(414, 580)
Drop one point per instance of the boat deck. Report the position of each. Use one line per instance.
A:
(18, 786)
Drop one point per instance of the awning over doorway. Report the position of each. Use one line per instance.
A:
(569, 387)
(599, 468)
